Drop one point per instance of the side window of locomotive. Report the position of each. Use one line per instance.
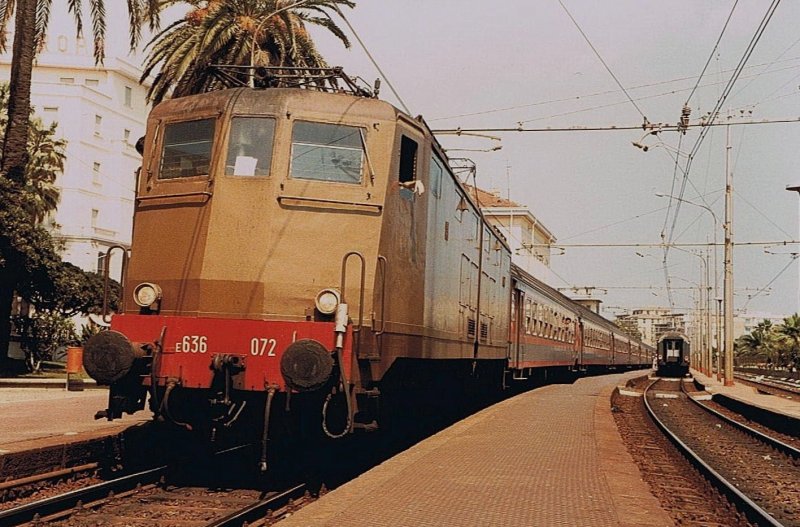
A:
(250, 146)
(408, 167)
(187, 149)
(437, 172)
(327, 152)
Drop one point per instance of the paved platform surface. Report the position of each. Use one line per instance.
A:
(33, 417)
(548, 457)
(750, 395)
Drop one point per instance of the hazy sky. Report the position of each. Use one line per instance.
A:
(454, 57)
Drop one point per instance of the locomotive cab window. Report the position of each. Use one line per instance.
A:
(187, 147)
(327, 152)
(408, 167)
(250, 146)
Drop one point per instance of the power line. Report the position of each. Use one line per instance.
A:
(601, 60)
(661, 127)
(608, 92)
(658, 245)
(721, 101)
(711, 55)
(374, 62)
(793, 260)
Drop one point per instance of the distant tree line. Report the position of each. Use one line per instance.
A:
(771, 346)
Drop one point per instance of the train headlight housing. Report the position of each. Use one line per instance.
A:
(146, 294)
(327, 300)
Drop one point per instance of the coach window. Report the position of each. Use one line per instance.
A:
(187, 149)
(250, 146)
(327, 152)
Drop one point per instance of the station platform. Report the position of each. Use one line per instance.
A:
(551, 456)
(40, 415)
(749, 395)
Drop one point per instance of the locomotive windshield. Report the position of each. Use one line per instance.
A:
(250, 146)
(327, 152)
(187, 149)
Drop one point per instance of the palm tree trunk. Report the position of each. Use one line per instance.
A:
(15, 151)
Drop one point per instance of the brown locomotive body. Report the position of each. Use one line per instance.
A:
(294, 241)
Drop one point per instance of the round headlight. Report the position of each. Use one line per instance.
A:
(146, 294)
(327, 300)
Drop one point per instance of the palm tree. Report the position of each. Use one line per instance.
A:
(46, 155)
(790, 330)
(236, 32)
(30, 29)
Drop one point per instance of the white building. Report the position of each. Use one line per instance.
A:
(528, 238)
(101, 112)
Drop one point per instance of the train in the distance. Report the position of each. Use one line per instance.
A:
(674, 350)
(296, 250)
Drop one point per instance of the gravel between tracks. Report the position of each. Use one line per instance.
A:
(767, 476)
(686, 496)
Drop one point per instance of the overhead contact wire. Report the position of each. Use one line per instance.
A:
(597, 53)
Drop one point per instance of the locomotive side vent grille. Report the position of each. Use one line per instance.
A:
(470, 328)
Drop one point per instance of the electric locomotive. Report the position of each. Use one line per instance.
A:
(673, 354)
(300, 250)
(292, 243)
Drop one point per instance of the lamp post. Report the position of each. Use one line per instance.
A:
(728, 286)
(716, 277)
(796, 188)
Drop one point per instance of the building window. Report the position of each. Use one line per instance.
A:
(67, 80)
(126, 135)
(128, 96)
(49, 109)
(95, 214)
(98, 124)
(101, 263)
(92, 82)
(96, 173)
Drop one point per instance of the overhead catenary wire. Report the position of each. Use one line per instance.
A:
(609, 128)
(721, 101)
(713, 51)
(609, 92)
(597, 53)
(374, 62)
(793, 260)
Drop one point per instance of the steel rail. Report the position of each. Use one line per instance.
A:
(768, 382)
(777, 444)
(31, 511)
(260, 509)
(753, 512)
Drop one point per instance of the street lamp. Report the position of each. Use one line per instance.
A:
(716, 278)
(796, 188)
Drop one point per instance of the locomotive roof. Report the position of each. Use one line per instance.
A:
(277, 101)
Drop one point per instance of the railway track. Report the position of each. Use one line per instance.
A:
(143, 499)
(769, 385)
(757, 474)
